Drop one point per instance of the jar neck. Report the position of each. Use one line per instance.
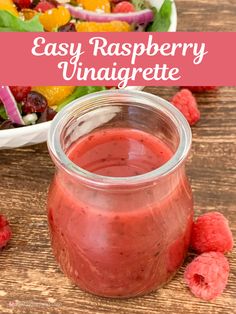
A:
(111, 109)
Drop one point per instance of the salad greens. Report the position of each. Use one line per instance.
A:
(139, 4)
(11, 23)
(79, 92)
(162, 18)
(3, 113)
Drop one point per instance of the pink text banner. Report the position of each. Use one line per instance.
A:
(118, 59)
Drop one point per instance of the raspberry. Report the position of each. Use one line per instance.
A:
(186, 103)
(44, 6)
(5, 232)
(207, 275)
(200, 88)
(23, 4)
(211, 233)
(20, 92)
(35, 102)
(124, 7)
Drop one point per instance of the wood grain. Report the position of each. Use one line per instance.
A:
(206, 15)
(30, 280)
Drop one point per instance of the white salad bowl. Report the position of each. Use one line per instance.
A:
(35, 134)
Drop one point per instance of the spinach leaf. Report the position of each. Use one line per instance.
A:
(79, 92)
(11, 23)
(3, 113)
(139, 4)
(162, 18)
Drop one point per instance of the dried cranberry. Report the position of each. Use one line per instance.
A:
(54, 2)
(50, 114)
(20, 92)
(34, 3)
(23, 4)
(34, 102)
(47, 115)
(69, 27)
(7, 124)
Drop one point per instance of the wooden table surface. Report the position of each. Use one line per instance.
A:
(30, 281)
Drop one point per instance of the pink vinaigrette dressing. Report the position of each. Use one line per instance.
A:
(120, 242)
(120, 153)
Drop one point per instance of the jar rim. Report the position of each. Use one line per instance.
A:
(157, 103)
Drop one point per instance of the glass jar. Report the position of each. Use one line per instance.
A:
(120, 236)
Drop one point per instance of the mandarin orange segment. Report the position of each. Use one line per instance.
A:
(96, 5)
(114, 26)
(54, 18)
(54, 94)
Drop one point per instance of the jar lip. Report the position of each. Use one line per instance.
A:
(157, 103)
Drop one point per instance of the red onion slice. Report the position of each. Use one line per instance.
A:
(139, 17)
(10, 105)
